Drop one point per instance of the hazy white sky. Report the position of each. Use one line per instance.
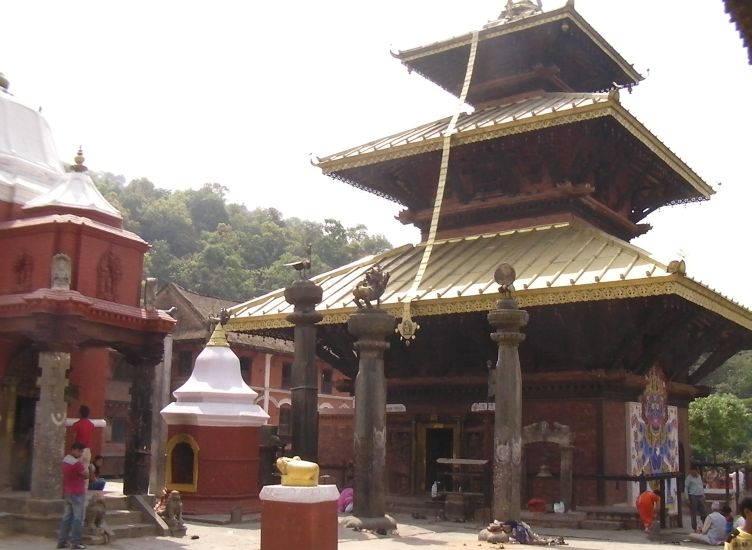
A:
(242, 93)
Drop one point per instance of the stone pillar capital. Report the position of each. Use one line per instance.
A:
(371, 324)
(304, 294)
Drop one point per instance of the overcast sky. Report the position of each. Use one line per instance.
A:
(243, 93)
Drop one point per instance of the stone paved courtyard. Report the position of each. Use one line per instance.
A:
(412, 534)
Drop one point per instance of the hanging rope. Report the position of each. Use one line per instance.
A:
(407, 327)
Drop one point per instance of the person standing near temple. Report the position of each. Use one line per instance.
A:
(695, 491)
(83, 428)
(74, 495)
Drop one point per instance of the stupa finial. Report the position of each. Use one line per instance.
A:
(79, 161)
(218, 338)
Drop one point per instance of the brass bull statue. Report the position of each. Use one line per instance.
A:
(298, 473)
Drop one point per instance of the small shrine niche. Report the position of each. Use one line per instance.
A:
(182, 463)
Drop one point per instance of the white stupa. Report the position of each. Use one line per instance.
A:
(215, 394)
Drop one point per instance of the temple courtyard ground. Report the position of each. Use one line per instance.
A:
(412, 533)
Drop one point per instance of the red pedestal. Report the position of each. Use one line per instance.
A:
(303, 518)
(228, 466)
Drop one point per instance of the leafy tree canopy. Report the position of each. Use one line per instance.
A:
(719, 428)
(204, 244)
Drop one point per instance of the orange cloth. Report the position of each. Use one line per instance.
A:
(646, 507)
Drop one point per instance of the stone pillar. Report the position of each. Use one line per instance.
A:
(160, 399)
(371, 327)
(304, 294)
(49, 426)
(507, 319)
(138, 435)
(565, 474)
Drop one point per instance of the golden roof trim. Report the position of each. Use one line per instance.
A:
(462, 137)
(519, 25)
(676, 284)
(605, 107)
(660, 149)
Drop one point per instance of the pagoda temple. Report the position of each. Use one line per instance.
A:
(552, 175)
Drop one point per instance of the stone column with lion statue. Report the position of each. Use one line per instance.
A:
(370, 325)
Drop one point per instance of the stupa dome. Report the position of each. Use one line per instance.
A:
(215, 394)
(29, 165)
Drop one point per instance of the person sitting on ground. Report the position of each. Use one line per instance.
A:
(96, 482)
(345, 500)
(713, 530)
(648, 504)
(741, 538)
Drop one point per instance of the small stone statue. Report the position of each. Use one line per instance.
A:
(95, 524)
(298, 473)
(61, 272)
(371, 287)
(170, 507)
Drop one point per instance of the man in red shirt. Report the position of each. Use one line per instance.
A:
(74, 493)
(83, 428)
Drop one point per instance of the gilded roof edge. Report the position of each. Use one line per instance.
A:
(412, 54)
(609, 107)
(676, 284)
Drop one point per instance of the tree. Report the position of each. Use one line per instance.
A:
(719, 428)
(225, 250)
(734, 376)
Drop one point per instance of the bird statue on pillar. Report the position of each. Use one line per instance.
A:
(302, 266)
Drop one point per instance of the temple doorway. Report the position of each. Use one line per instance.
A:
(439, 444)
(23, 443)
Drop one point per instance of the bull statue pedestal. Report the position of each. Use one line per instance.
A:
(299, 513)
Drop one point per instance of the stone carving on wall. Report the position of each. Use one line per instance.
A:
(109, 273)
(23, 268)
(150, 294)
(543, 431)
(61, 272)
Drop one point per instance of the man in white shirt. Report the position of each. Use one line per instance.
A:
(695, 491)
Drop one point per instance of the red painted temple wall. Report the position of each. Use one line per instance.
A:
(85, 250)
(89, 372)
(336, 453)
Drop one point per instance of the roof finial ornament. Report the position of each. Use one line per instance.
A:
(505, 276)
(519, 9)
(79, 161)
(4, 83)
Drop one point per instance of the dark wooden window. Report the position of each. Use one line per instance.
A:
(326, 381)
(245, 369)
(117, 433)
(185, 363)
(286, 376)
(182, 464)
(285, 412)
